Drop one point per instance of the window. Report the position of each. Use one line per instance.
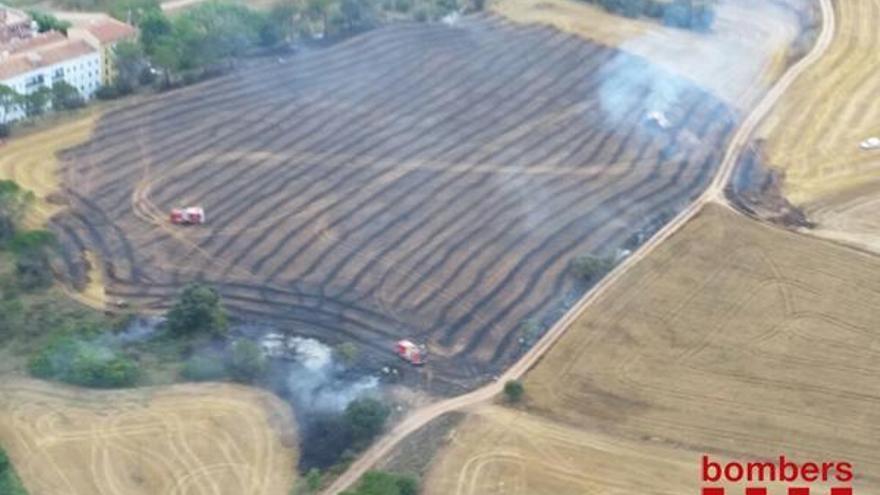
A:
(34, 81)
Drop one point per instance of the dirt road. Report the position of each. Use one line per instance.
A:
(714, 193)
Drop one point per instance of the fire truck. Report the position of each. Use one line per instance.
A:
(410, 352)
(191, 215)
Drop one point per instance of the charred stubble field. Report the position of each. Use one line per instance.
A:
(421, 181)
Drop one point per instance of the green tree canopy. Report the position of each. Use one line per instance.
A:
(83, 362)
(366, 417)
(198, 311)
(66, 97)
(514, 390)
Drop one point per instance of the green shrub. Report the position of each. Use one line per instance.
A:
(384, 483)
(590, 267)
(9, 482)
(366, 419)
(247, 363)
(514, 391)
(84, 363)
(204, 368)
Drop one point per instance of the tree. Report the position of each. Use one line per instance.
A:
(356, 15)
(35, 102)
(366, 418)
(247, 363)
(514, 391)
(154, 26)
(198, 311)
(319, 10)
(10, 101)
(281, 22)
(14, 202)
(130, 63)
(133, 11)
(66, 97)
(32, 251)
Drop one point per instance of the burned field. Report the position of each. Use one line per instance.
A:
(431, 182)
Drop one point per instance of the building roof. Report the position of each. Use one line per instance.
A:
(24, 44)
(105, 28)
(22, 62)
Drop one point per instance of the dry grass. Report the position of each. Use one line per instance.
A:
(815, 132)
(185, 439)
(746, 51)
(31, 160)
(732, 338)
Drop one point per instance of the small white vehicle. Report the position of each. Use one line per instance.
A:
(872, 143)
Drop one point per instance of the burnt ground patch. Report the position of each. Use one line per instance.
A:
(423, 181)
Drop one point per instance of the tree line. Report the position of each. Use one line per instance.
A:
(689, 14)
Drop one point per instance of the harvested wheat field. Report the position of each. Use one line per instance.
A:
(183, 439)
(732, 339)
(814, 133)
(32, 161)
(421, 181)
(749, 46)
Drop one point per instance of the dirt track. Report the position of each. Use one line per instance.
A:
(184, 439)
(424, 181)
(814, 134)
(714, 193)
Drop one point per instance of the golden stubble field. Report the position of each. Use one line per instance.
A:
(183, 439)
(813, 135)
(747, 49)
(733, 339)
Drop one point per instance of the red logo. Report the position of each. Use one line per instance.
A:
(753, 474)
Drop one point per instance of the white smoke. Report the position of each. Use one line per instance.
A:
(317, 383)
(632, 86)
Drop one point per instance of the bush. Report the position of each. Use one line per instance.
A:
(5, 130)
(590, 267)
(514, 391)
(198, 311)
(204, 368)
(383, 483)
(9, 482)
(366, 419)
(85, 363)
(107, 93)
(247, 362)
(325, 440)
(347, 352)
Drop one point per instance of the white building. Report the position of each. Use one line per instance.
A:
(29, 61)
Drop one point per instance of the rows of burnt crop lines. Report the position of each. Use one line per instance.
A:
(275, 178)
